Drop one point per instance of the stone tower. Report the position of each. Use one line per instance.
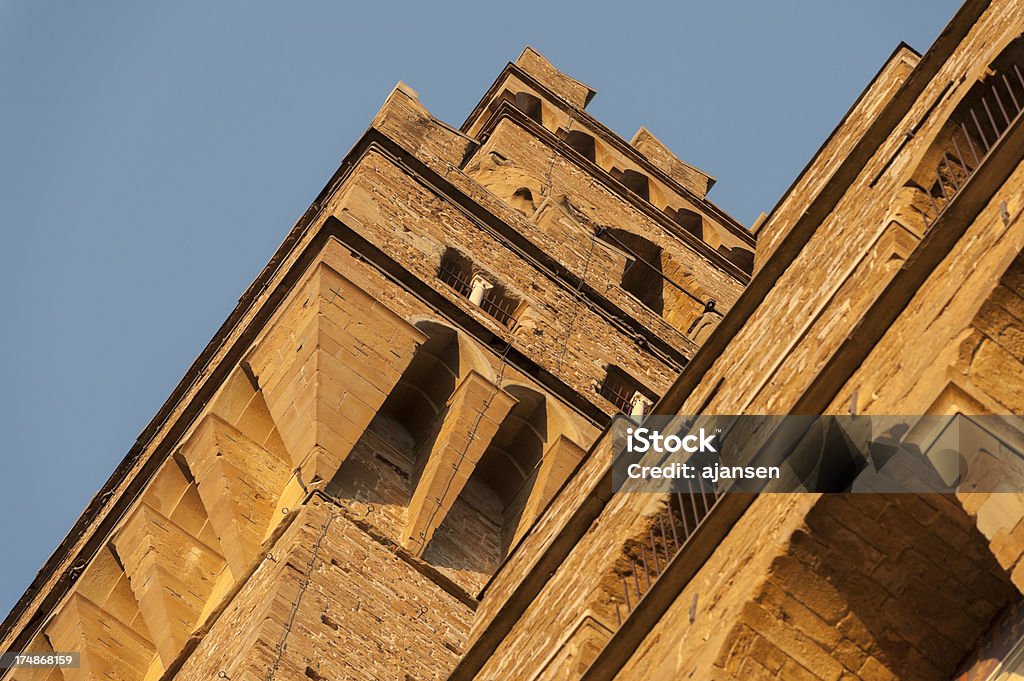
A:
(393, 461)
(397, 399)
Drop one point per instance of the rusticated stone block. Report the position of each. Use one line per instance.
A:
(326, 367)
(239, 482)
(171, 573)
(109, 648)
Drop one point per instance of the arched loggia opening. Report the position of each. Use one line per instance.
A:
(583, 143)
(642, 276)
(529, 105)
(390, 453)
(689, 220)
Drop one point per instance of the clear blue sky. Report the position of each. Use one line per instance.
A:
(153, 156)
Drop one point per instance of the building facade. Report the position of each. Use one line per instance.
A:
(393, 460)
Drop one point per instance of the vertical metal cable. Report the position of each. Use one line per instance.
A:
(303, 585)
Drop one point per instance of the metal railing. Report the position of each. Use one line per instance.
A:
(999, 107)
(502, 311)
(619, 395)
(667, 536)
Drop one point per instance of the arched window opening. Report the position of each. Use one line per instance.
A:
(622, 390)
(741, 257)
(456, 270)
(509, 465)
(642, 276)
(479, 287)
(634, 181)
(529, 105)
(502, 305)
(689, 220)
(583, 143)
(976, 125)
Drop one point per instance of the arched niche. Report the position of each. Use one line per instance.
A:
(585, 145)
(529, 105)
(412, 410)
(688, 219)
(641, 277)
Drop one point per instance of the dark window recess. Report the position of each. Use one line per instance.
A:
(618, 387)
(524, 101)
(583, 143)
(643, 275)
(499, 304)
(458, 271)
(634, 182)
(980, 121)
(689, 220)
(738, 256)
(529, 105)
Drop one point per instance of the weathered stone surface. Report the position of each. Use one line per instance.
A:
(109, 648)
(171, 573)
(362, 414)
(326, 367)
(239, 483)
(473, 415)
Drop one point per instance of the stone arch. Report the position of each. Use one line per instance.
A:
(420, 396)
(526, 459)
(583, 144)
(856, 587)
(506, 180)
(641, 277)
(530, 105)
(688, 219)
(489, 505)
(634, 181)
(561, 423)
